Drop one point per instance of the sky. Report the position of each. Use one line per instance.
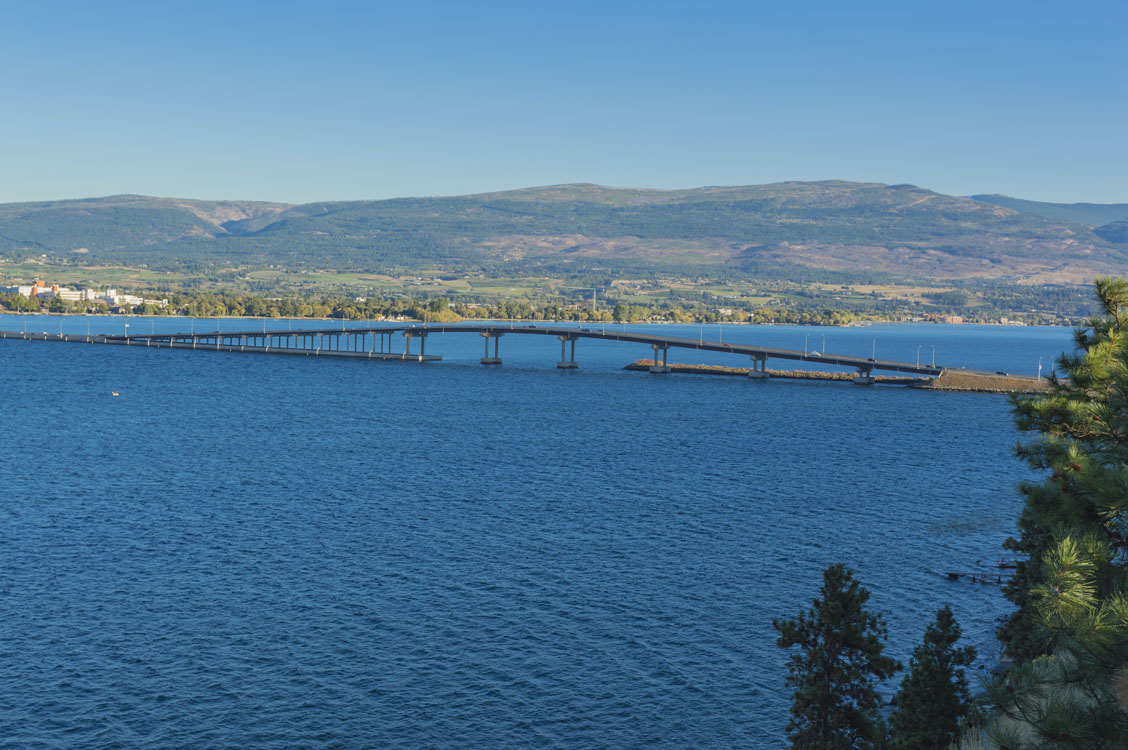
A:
(301, 102)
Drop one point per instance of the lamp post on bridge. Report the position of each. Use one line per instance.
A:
(918, 355)
(805, 344)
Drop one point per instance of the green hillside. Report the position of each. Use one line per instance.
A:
(1115, 232)
(1086, 214)
(832, 229)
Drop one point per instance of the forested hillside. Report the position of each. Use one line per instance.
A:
(830, 229)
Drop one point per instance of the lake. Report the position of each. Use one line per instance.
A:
(274, 552)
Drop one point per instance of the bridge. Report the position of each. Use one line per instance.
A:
(376, 342)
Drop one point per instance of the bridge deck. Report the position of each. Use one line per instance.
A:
(314, 341)
(171, 343)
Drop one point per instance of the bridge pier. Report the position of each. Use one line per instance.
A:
(759, 369)
(407, 337)
(665, 366)
(495, 359)
(865, 376)
(567, 364)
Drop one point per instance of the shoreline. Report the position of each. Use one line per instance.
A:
(862, 324)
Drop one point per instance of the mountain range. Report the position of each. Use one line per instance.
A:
(829, 227)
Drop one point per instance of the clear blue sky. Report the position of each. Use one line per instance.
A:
(337, 100)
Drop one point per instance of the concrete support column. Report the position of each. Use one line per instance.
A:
(759, 369)
(422, 336)
(496, 358)
(567, 364)
(660, 365)
(865, 376)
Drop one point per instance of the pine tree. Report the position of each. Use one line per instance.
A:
(934, 697)
(1083, 443)
(1069, 636)
(1076, 697)
(833, 670)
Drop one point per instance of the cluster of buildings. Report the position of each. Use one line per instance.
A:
(109, 297)
(933, 318)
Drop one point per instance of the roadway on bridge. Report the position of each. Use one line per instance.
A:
(420, 330)
(586, 332)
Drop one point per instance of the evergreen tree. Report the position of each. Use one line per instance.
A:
(934, 696)
(834, 668)
(1069, 636)
(1083, 443)
(1077, 697)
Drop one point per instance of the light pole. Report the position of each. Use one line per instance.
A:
(824, 344)
(918, 355)
(934, 355)
(127, 330)
(805, 344)
(1039, 367)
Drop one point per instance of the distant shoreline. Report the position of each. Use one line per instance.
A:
(527, 321)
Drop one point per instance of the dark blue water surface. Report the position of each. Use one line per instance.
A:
(253, 551)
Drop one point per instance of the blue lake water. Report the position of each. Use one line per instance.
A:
(272, 552)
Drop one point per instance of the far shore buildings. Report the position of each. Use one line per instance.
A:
(109, 297)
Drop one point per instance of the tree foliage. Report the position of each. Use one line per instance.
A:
(1077, 696)
(934, 697)
(836, 660)
(1082, 426)
(1069, 635)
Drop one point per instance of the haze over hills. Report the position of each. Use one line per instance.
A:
(1086, 214)
(832, 227)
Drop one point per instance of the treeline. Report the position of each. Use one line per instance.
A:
(793, 305)
(436, 309)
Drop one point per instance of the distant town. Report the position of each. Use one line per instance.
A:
(111, 298)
